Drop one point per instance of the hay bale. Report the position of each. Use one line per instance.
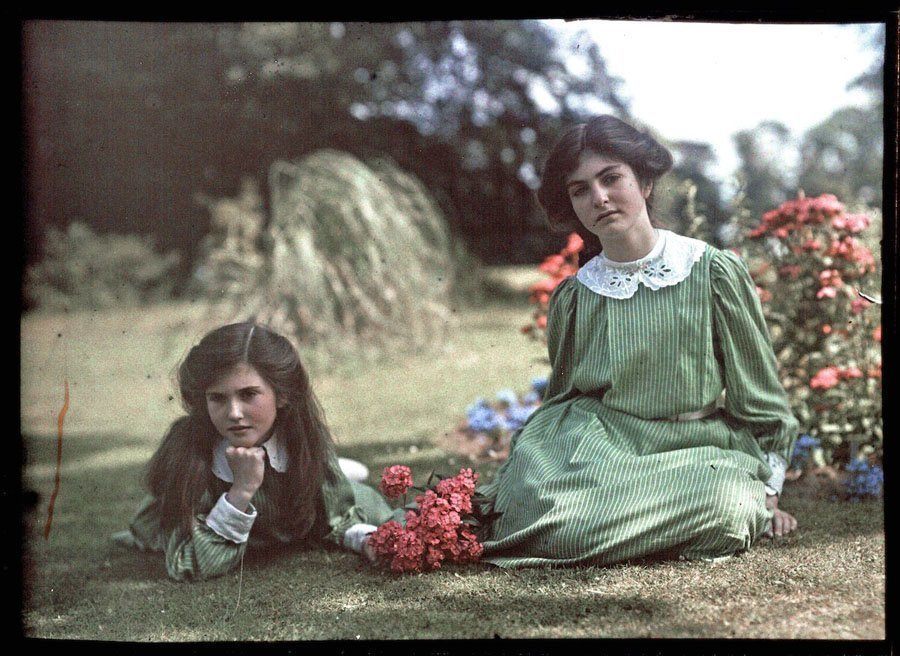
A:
(358, 252)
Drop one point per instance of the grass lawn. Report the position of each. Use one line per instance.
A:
(827, 581)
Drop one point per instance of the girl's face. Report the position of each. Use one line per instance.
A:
(607, 196)
(242, 406)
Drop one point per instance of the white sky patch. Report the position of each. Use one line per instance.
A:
(706, 81)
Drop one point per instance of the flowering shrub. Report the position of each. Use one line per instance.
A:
(864, 480)
(441, 526)
(490, 425)
(558, 267)
(812, 269)
(804, 452)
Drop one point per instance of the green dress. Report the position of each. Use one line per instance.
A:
(205, 554)
(600, 473)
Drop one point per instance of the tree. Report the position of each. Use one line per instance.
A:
(690, 172)
(468, 106)
(843, 155)
(125, 122)
(766, 153)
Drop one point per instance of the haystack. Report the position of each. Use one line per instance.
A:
(357, 252)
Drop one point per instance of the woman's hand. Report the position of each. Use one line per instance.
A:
(248, 465)
(782, 522)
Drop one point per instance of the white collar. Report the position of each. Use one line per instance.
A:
(668, 263)
(275, 449)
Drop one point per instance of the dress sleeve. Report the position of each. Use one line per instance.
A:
(560, 318)
(754, 394)
(202, 554)
(347, 504)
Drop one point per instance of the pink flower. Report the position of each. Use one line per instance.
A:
(850, 372)
(811, 245)
(574, 245)
(395, 481)
(825, 379)
(876, 334)
(851, 222)
(408, 553)
(830, 277)
(433, 557)
(435, 531)
(858, 305)
(552, 264)
(764, 295)
(830, 292)
(384, 538)
(826, 329)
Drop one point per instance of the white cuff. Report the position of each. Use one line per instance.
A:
(778, 465)
(356, 535)
(229, 522)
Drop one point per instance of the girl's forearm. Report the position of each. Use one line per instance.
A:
(239, 497)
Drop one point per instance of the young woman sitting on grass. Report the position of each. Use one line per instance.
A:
(630, 455)
(252, 464)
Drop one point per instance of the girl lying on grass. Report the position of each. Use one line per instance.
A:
(630, 455)
(251, 464)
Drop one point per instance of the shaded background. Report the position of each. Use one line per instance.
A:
(125, 122)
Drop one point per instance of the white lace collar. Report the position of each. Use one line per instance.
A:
(276, 451)
(668, 263)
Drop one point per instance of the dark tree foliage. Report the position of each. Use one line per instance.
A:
(124, 122)
(763, 169)
(451, 102)
(692, 161)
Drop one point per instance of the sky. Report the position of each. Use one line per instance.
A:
(706, 81)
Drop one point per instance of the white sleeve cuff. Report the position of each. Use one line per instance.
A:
(356, 535)
(229, 522)
(778, 465)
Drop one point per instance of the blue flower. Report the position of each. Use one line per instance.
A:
(516, 416)
(508, 397)
(539, 385)
(864, 481)
(483, 418)
(531, 398)
(803, 449)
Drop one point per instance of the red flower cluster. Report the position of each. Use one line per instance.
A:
(830, 279)
(434, 532)
(793, 214)
(558, 267)
(850, 222)
(853, 250)
(395, 481)
(857, 305)
(830, 376)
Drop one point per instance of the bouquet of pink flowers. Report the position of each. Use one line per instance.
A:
(441, 525)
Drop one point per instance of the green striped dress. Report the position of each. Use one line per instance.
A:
(205, 554)
(600, 473)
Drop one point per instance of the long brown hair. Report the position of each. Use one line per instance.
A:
(180, 471)
(604, 135)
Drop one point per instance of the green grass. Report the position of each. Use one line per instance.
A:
(827, 581)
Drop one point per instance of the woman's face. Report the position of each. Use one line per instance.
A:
(242, 406)
(607, 196)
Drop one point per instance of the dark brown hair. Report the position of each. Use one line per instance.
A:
(605, 135)
(180, 471)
